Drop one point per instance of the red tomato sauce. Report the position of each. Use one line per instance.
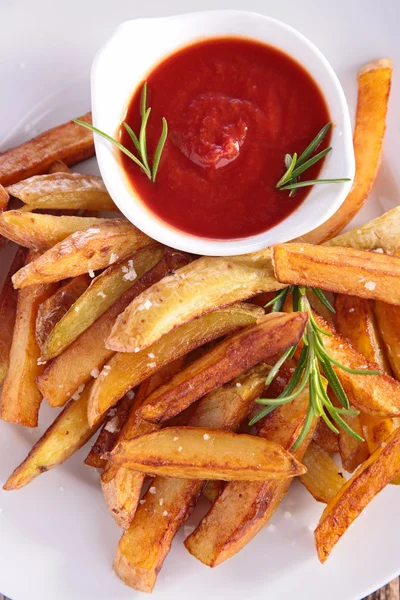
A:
(234, 108)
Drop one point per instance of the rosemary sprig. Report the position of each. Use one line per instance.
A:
(140, 142)
(314, 362)
(295, 166)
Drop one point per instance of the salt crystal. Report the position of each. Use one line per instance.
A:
(180, 449)
(91, 273)
(176, 438)
(351, 310)
(151, 355)
(370, 285)
(142, 501)
(112, 426)
(113, 258)
(152, 365)
(101, 294)
(379, 250)
(130, 395)
(107, 368)
(77, 309)
(206, 436)
(146, 305)
(152, 490)
(95, 373)
(40, 361)
(78, 392)
(165, 513)
(137, 350)
(238, 385)
(161, 501)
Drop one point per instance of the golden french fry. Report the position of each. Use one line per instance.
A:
(91, 249)
(325, 438)
(373, 475)
(341, 270)
(125, 370)
(69, 432)
(374, 80)
(271, 335)
(8, 308)
(102, 293)
(88, 352)
(39, 231)
(58, 166)
(54, 308)
(388, 319)
(323, 479)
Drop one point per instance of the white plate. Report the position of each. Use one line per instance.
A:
(56, 538)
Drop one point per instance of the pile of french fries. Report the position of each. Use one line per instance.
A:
(166, 354)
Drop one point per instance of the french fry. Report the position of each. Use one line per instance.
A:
(271, 335)
(54, 308)
(388, 319)
(58, 166)
(374, 80)
(165, 507)
(325, 438)
(8, 307)
(40, 231)
(69, 432)
(102, 293)
(91, 249)
(69, 142)
(192, 291)
(344, 271)
(373, 475)
(323, 479)
(20, 399)
(88, 352)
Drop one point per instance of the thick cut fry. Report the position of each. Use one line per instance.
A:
(341, 270)
(69, 432)
(126, 370)
(8, 307)
(323, 479)
(374, 80)
(325, 438)
(72, 191)
(364, 485)
(54, 308)
(69, 142)
(168, 503)
(91, 249)
(242, 509)
(39, 231)
(88, 353)
(194, 290)
(271, 335)
(20, 398)
(58, 166)
(103, 292)
(388, 318)
(109, 433)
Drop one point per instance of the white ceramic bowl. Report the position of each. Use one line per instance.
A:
(137, 46)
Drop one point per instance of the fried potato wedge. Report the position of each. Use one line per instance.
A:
(323, 479)
(69, 142)
(102, 293)
(40, 231)
(271, 335)
(73, 191)
(374, 80)
(192, 291)
(143, 548)
(352, 451)
(388, 319)
(212, 490)
(373, 475)
(20, 398)
(8, 308)
(54, 308)
(88, 352)
(126, 370)
(341, 270)
(4, 198)
(91, 249)
(325, 438)
(59, 166)
(69, 432)
(242, 509)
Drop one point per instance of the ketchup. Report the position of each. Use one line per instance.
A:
(234, 108)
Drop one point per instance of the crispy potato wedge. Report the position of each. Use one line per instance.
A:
(341, 270)
(166, 506)
(325, 438)
(388, 319)
(69, 142)
(242, 509)
(271, 335)
(20, 398)
(374, 80)
(192, 291)
(126, 370)
(4, 198)
(39, 231)
(91, 249)
(54, 308)
(375, 473)
(73, 191)
(69, 432)
(352, 451)
(59, 166)
(88, 352)
(323, 479)
(8, 308)
(109, 433)
(102, 293)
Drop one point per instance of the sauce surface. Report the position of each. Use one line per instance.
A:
(234, 108)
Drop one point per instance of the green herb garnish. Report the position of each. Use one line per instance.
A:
(140, 143)
(295, 166)
(313, 361)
